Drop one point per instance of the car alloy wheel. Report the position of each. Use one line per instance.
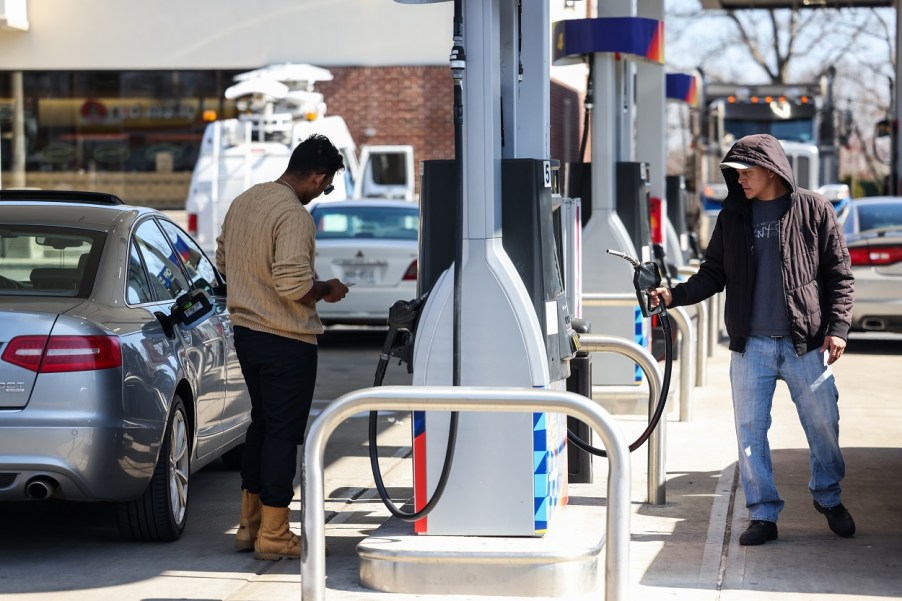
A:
(179, 464)
(161, 513)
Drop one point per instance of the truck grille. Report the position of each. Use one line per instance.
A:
(801, 167)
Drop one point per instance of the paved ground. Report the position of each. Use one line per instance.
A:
(685, 549)
(688, 548)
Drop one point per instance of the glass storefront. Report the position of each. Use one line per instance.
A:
(104, 123)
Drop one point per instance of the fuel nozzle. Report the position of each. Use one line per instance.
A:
(645, 276)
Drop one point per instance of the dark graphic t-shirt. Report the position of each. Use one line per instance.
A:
(769, 316)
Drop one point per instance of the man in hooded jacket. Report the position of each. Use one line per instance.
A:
(778, 251)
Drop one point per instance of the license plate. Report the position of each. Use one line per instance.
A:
(359, 275)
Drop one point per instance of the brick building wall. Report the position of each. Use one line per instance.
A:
(412, 105)
(395, 105)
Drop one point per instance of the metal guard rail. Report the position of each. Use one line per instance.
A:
(684, 324)
(596, 343)
(463, 398)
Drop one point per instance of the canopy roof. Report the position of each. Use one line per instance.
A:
(768, 4)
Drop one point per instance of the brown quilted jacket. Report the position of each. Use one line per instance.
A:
(817, 276)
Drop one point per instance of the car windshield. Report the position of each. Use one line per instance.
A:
(389, 223)
(879, 216)
(48, 261)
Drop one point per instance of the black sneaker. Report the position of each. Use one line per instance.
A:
(838, 518)
(758, 533)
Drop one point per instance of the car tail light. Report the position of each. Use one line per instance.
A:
(55, 354)
(859, 255)
(411, 273)
(192, 224)
(875, 255)
(656, 220)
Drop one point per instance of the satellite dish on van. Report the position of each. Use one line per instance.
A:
(289, 73)
(257, 86)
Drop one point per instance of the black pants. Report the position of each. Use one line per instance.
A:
(280, 374)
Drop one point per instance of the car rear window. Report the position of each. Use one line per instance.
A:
(879, 216)
(48, 261)
(389, 223)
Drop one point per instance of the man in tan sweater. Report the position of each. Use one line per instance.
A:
(266, 251)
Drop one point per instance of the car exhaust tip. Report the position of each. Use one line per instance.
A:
(41, 488)
(874, 325)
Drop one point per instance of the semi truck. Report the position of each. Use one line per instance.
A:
(801, 116)
(278, 108)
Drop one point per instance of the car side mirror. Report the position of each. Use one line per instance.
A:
(192, 309)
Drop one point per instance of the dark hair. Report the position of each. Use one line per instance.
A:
(316, 154)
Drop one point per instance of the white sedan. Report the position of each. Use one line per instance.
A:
(372, 245)
(873, 231)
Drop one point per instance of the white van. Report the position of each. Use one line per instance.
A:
(281, 111)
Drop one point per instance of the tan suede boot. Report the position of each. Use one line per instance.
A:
(249, 523)
(274, 539)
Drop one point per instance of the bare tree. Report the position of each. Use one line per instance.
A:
(868, 94)
(797, 45)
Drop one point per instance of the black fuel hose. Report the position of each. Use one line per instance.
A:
(662, 399)
(442, 481)
(458, 66)
(406, 315)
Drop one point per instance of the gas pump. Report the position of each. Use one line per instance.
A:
(614, 44)
(495, 314)
(528, 189)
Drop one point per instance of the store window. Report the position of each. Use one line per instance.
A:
(113, 121)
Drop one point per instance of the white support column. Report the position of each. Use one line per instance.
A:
(651, 104)
(607, 117)
(626, 111)
(533, 98)
(482, 119)
(509, 64)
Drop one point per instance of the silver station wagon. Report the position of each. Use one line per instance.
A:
(118, 375)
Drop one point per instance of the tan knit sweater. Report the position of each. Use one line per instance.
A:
(266, 251)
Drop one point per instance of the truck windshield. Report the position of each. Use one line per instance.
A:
(790, 130)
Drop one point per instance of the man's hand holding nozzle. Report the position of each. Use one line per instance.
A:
(656, 294)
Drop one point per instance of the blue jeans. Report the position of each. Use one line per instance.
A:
(754, 375)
